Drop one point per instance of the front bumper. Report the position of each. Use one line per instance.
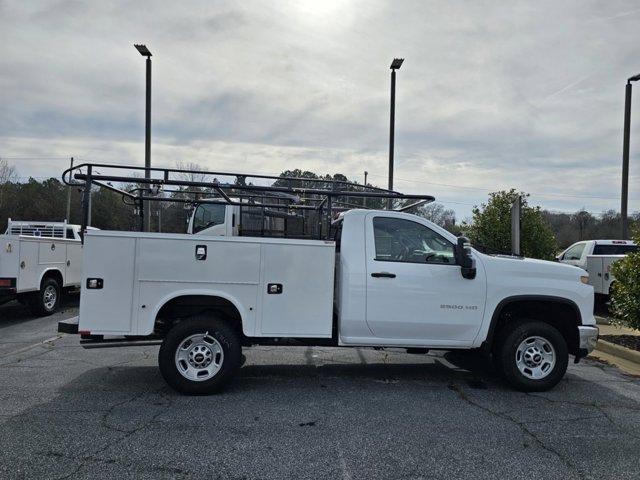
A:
(588, 339)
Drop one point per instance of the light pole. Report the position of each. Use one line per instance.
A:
(145, 211)
(625, 158)
(395, 65)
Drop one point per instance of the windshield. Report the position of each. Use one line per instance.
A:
(208, 215)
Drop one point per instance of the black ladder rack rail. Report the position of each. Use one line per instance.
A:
(325, 197)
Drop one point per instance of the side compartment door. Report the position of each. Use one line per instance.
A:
(415, 291)
(74, 263)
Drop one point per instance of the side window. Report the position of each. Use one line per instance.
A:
(208, 215)
(70, 234)
(399, 240)
(575, 252)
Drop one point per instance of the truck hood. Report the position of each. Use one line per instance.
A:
(532, 267)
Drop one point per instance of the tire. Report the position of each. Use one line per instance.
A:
(532, 356)
(46, 301)
(200, 356)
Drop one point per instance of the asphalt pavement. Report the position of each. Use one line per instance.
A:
(301, 413)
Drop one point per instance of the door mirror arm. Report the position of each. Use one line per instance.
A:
(463, 257)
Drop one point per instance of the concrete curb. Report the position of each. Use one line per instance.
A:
(618, 351)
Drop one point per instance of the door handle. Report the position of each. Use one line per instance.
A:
(383, 275)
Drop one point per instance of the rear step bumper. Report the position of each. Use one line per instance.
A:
(69, 325)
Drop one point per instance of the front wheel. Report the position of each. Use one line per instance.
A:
(200, 356)
(533, 356)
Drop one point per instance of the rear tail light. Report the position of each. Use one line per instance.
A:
(7, 282)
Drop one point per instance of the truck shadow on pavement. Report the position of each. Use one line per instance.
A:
(13, 312)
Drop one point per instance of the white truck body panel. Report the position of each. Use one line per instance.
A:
(29, 254)
(599, 268)
(145, 271)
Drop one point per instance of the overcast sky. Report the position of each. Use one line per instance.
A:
(492, 95)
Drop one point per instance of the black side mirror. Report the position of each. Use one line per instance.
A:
(462, 253)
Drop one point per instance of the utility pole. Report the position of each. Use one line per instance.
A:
(68, 219)
(624, 197)
(146, 207)
(395, 65)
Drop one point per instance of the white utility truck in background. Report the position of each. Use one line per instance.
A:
(38, 260)
(373, 278)
(596, 257)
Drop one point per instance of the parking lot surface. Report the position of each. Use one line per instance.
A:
(301, 412)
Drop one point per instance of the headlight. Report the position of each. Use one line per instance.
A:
(584, 278)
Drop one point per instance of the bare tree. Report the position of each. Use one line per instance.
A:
(7, 172)
(439, 215)
(7, 175)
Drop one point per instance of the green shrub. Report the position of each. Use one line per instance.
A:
(625, 297)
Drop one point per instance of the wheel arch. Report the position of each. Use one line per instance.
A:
(185, 304)
(54, 273)
(566, 316)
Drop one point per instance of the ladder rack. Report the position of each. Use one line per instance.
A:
(317, 200)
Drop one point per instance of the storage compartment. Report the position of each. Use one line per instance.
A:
(107, 309)
(297, 289)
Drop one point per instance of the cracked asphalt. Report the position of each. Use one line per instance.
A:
(301, 413)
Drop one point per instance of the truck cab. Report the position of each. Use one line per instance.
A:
(214, 219)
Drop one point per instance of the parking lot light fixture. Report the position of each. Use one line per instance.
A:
(624, 194)
(145, 211)
(395, 65)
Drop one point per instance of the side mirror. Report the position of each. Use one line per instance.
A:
(463, 257)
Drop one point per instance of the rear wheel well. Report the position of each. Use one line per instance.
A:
(188, 306)
(55, 274)
(562, 315)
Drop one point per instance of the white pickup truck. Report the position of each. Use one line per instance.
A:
(382, 279)
(596, 257)
(38, 260)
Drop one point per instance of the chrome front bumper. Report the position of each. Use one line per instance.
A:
(588, 338)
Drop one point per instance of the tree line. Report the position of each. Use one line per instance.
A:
(544, 233)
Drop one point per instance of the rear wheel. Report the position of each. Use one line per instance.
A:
(200, 356)
(46, 300)
(532, 356)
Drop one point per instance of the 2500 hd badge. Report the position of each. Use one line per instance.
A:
(458, 307)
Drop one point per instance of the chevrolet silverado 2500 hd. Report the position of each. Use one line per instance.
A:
(382, 279)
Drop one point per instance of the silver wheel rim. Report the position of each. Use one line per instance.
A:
(199, 357)
(535, 358)
(49, 297)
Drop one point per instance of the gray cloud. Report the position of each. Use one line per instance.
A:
(522, 94)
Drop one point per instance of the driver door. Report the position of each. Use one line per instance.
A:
(415, 290)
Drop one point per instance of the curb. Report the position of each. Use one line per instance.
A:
(618, 351)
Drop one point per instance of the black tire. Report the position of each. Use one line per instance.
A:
(226, 338)
(41, 303)
(509, 341)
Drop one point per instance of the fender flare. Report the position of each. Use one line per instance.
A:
(488, 342)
